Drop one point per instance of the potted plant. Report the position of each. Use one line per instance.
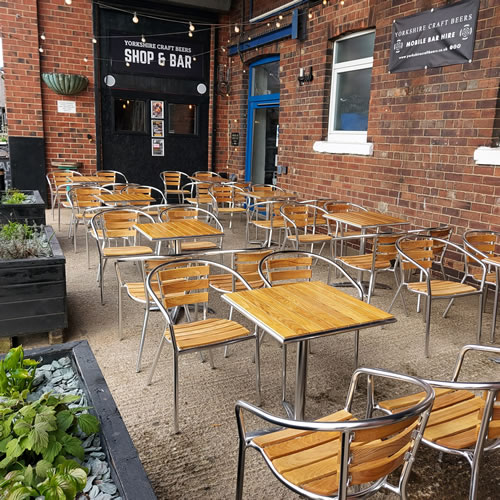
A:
(32, 281)
(22, 206)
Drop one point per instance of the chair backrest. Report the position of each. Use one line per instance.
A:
(363, 452)
(482, 244)
(199, 190)
(205, 174)
(117, 224)
(266, 187)
(443, 233)
(180, 212)
(112, 176)
(82, 197)
(60, 177)
(334, 206)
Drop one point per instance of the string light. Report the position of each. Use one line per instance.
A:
(236, 29)
(135, 19)
(191, 26)
(278, 24)
(68, 2)
(310, 15)
(194, 58)
(40, 49)
(325, 2)
(280, 17)
(342, 2)
(190, 34)
(94, 40)
(127, 64)
(143, 39)
(85, 59)
(42, 36)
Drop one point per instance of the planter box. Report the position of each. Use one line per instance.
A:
(33, 293)
(34, 212)
(126, 469)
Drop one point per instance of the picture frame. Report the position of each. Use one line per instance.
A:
(157, 147)
(157, 128)
(157, 108)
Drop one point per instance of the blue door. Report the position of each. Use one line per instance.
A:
(263, 121)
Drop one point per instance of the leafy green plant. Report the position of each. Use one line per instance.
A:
(16, 374)
(20, 241)
(14, 197)
(39, 440)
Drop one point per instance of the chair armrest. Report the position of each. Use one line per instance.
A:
(464, 350)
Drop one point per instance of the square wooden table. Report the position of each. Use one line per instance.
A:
(177, 231)
(123, 198)
(298, 312)
(495, 262)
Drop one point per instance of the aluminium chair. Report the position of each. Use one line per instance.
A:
(182, 283)
(205, 174)
(415, 252)
(116, 237)
(112, 176)
(465, 418)
(157, 194)
(199, 194)
(60, 181)
(172, 182)
(339, 456)
(264, 216)
(290, 266)
(227, 199)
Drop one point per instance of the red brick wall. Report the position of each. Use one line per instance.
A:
(31, 105)
(425, 125)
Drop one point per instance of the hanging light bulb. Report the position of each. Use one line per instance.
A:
(68, 2)
(223, 49)
(190, 34)
(194, 58)
(236, 29)
(325, 2)
(280, 17)
(94, 40)
(278, 24)
(191, 26)
(143, 39)
(135, 19)
(310, 15)
(127, 64)
(85, 59)
(342, 2)
(42, 36)
(249, 38)
(40, 49)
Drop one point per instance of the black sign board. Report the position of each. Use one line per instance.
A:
(157, 57)
(437, 37)
(235, 138)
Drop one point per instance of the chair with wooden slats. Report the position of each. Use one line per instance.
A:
(172, 182)
(264, 216)
(266, 188)
(60, 181)
(227, 199)
(415, 252)
(184, 283)
(465, 417)
(382, 258)
(482, 244)
(302, 224)
(144, 190)
(112, 176)
(337, 206)
(291, 266)
(116, 237)
(339, 456)
(199, 194)
(205, 174)
(185, 212)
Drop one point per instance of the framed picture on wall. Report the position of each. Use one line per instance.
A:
(157, 128)
(157, 109)
(157, 147)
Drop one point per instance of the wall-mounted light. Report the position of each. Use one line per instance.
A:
(305, 77)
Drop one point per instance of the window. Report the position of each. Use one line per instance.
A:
(266, 78)
(130, 115)
(350, 95)
(182, 119)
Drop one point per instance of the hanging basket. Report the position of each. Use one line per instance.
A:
(65, 84)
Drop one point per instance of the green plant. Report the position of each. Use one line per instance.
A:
(16, 374)
(20, 241)
(39, 440)
(14, 197)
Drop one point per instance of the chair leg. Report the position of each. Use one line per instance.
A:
(241, 469)
(175, 366)
(480, 319)
(120, 328)
(427, 324)
(283, 373)
(371, 286)
(356, 348)
(143, 338)
(398, 291)
(155, 362)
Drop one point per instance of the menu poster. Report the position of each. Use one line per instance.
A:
(157, 109)
(157, 128)
(157, 147)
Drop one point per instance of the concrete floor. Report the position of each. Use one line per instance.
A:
(200, 462)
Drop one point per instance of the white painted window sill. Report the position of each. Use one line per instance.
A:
(487, 156)
(344, 148)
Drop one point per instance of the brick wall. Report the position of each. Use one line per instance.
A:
(31, 105)
(425, 125)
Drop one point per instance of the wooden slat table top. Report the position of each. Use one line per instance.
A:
(297, 311)
(366, 219)
(123, 197)
(270, 195)
(186, 228)
(494, 261)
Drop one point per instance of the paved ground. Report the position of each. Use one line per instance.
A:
(200, 462)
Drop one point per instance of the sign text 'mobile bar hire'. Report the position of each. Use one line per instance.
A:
(437, 37)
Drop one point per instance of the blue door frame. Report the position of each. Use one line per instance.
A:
(255, 102)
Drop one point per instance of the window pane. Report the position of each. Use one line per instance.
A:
(266, 79)
(353, 98)
(182, 119)
(357, 47)
(130, 115)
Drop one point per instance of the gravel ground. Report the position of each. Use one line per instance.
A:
(200, 462)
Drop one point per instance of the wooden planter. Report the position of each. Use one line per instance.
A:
(33, 293)
(127, 471)
(31, 213)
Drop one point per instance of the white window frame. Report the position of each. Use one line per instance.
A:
(345, 136)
